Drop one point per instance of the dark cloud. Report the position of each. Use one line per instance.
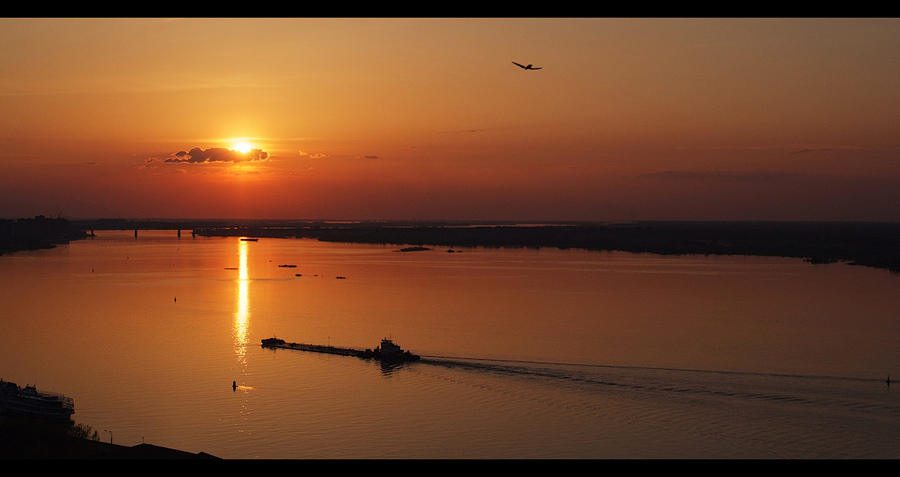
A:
(217, 154)
(719, 175)
(461, 131)
(804, 151)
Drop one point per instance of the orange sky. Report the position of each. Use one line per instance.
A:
(629, 119)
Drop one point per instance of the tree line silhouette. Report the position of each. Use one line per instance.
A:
(873, 244)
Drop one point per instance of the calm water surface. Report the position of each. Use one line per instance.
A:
(526, 353)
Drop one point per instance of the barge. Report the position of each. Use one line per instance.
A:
(387, 351)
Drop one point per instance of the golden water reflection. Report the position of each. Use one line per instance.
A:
(242, 305)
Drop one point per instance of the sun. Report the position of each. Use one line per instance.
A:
(242, 147)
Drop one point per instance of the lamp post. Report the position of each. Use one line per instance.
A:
(110, 435)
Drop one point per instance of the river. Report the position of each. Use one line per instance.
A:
(525, 353)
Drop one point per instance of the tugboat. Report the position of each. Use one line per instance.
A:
(273, 342)
(388, 351)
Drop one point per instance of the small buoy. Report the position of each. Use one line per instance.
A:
(234, 385)
(176, 298)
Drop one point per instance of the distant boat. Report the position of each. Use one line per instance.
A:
(28, 401)
(249, 240)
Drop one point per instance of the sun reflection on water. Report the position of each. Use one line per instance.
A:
(242, 309)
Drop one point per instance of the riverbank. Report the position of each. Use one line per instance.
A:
(872, 244)
(37, 233)
(23, 438)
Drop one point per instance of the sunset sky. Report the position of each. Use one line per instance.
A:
(629, 119)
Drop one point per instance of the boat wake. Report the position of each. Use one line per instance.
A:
(848, 394)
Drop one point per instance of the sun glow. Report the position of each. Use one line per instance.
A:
(242, 147)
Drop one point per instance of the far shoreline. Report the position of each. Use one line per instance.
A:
(870, 244)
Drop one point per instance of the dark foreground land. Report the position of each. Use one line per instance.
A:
(25, 438)
(861, 243)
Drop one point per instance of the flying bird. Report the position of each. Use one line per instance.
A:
(525, 67)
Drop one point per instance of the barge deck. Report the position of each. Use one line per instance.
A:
(388, 351)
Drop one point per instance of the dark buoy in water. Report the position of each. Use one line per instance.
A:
(234, 385)
(176, 298)
(888, 380)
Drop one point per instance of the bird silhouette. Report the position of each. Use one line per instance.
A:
(525, 67)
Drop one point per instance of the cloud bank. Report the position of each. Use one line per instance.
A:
(199, 155)
(313, 155)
